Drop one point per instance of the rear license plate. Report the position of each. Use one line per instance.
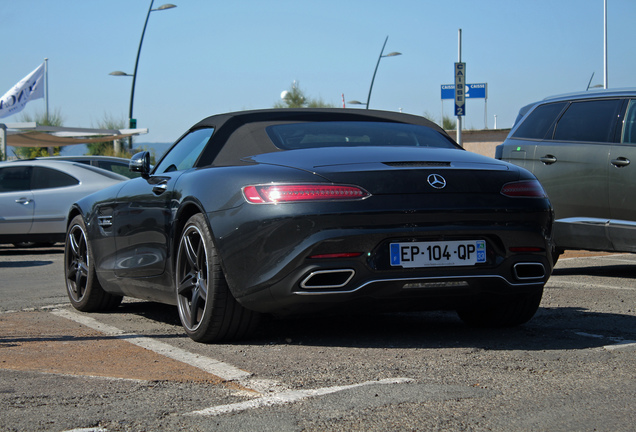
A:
(438, 254)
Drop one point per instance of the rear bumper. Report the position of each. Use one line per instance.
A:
(421, 289)
(271, 266)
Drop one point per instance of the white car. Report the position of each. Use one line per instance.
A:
(35, 196)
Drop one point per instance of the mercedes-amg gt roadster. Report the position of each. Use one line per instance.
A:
(297, 211)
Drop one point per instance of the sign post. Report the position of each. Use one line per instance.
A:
(460, 91)
(471, 91)
(460, 83)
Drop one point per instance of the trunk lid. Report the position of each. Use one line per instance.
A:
(401, 170)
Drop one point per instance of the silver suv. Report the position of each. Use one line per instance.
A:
(582, 147)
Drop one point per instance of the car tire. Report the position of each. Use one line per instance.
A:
(502, 311)
(82, 286)
(207, 309)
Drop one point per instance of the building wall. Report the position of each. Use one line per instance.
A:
(482, 141)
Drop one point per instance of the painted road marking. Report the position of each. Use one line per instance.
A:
(88, 430)
(45, 343)
(289, 397)
(601, 256)
(277, 393)
(619, 344)
(557, 280)
(223, 370)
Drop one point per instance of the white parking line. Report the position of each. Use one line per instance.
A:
(619, 344)
(626, 345)
(557, 280)
(277, 392)
(98, 429)
(289, 397)
(628, 261)
(223, 370)
(615, 257)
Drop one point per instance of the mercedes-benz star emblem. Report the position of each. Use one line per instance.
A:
(437, 181)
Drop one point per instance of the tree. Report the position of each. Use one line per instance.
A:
(54, 119)
(295, 98)
(107, 148)
(448, 123)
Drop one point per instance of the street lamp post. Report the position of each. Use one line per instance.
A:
(382, 55)
(132, 123)
(391, 54)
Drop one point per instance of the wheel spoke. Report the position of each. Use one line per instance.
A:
(187, 284)
(75, 248)
(194, 308)
(203, 289)
(72, 270)
(190, 253)
(81, 275)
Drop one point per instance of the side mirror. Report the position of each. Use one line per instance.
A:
(140, 163)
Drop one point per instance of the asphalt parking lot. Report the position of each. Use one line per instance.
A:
(573, 367)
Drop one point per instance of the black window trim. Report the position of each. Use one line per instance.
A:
(549, 136)
(573, 101)
(550, 130)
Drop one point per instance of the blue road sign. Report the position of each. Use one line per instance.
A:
(473, 91)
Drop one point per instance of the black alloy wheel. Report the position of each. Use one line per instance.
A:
(82, 286)
(207, 309)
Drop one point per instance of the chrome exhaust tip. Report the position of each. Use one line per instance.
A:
(529, 271)
(327, 279)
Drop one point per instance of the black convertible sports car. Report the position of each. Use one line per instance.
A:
(293, 211)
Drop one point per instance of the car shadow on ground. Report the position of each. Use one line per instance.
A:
(23, 264)
(551, 329)
(11, 250)
(554, 328)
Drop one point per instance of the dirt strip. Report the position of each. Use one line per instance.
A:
(42, 342)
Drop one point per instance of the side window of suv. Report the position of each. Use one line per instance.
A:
(539, 122)
(629, 126)
(589, 121)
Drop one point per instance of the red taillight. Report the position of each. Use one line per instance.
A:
(524, 189)
(302, 192)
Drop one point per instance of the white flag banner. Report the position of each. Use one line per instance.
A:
(29, 88)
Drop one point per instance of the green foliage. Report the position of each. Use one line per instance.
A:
(449, 123)
(295, 98)
(54, 119)
(107, 148)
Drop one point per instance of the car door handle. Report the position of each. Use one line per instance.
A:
(160, 188)
(548, 159)
(620, 162)
(23, 200)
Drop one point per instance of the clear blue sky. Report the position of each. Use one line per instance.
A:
(206, 57)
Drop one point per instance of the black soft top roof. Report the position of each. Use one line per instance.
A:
(252, 137)
(311, 114)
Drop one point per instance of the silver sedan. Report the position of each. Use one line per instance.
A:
(35, 197)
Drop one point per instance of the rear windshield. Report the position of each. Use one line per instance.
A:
(293, 136)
